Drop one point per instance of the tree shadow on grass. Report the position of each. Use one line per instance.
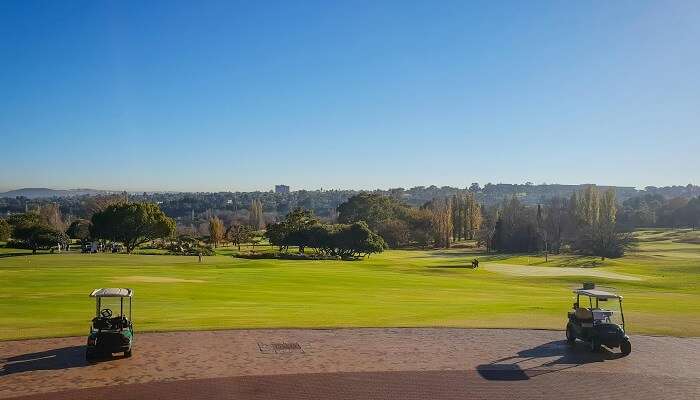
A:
(456, 253)
(54, 359)
(471, 254)
(565, 357)
(6, 255)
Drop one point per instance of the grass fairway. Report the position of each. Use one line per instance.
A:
(47, 294)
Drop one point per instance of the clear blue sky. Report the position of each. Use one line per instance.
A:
(353, 94)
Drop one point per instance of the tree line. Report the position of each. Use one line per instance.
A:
(655, 210)
(436, 223)
(130, 224)
(589, 221)
(134, 223)
(654, 206)
(32, 231)
(585, 223)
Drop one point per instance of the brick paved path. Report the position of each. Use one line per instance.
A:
(353, 363)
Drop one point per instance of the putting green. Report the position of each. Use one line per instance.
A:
(154, 279)
(529, 270)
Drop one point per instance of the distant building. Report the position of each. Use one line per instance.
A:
(281, 189)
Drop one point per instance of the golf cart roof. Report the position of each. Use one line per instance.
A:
(112, 292)
(598, 294)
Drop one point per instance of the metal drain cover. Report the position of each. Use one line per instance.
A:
(280, 348)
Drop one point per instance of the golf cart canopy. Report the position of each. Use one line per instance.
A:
(112, 292)
(598, 294)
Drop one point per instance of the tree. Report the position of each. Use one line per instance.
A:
(95, 204)
(131, 224)
(690, 213)
(607, 214)
(588, 206)
(597, 232)
(300, 228)
(299, 218)
(79, 229)
(542, 232)
(441, 210)
(459, 217)
(396, 222)
(51, 215)
(357, 240)
(292, 230)
(256, 218)
(515, 229)
(474, 217)
(239, 234)
(466, 216)
(5, 230)
(555, 223)
(38, 237)
(216, 231)
(693, 211)
(604, 241)
(420, 225)
(369, 207)
(395, 232)
(188, 245)
(24, 220)
(276, 234)
(485, 234)
(572, 210)
(344, 241)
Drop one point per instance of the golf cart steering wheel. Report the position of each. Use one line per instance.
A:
(106, 313)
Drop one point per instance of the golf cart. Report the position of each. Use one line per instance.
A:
(109, 333)
(595, 325)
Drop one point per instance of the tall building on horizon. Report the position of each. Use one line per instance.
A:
(281, 189)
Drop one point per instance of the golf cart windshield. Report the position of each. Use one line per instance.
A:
(604, 307)
(112, 306)
(607, 312)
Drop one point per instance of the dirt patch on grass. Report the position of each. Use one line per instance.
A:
(155, 279)
(528, 270)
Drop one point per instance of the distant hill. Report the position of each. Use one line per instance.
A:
(37, 193)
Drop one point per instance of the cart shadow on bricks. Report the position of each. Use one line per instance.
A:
(543, 359)
(54, 359)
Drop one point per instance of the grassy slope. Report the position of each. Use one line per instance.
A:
(46, 295)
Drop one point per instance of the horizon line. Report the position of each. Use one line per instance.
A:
(271, 189)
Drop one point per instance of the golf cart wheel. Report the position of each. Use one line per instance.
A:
(625, 347)
(570, 335)
(594, 344)
(127, 353)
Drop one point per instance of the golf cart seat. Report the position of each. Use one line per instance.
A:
(119, 322)
(101, 323)
(583, 314)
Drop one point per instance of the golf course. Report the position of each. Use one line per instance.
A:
(46, 295)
